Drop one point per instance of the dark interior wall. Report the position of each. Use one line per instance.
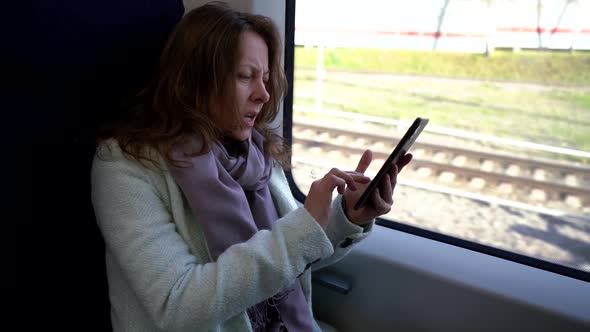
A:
(67, 66)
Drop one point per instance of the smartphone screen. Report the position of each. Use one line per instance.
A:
(399, 151)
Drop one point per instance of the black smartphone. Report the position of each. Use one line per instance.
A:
(399, 151)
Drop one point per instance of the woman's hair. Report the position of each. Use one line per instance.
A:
(196, 72)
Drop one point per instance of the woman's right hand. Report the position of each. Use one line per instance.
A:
(319, 198)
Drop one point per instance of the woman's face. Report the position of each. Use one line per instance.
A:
(250, 80)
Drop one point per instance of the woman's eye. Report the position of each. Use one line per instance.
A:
(244, 76)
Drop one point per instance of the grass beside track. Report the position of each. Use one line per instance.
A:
(555, 110)
(543, 67)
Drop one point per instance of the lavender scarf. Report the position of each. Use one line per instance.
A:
(230, 199)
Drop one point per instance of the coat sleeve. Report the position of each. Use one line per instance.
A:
(176, 291)
(343, 234)
(341, 231)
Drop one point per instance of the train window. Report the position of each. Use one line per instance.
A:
(503, 166)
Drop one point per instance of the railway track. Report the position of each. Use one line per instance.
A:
(532, 181)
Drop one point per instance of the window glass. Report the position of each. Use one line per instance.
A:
(505, 158)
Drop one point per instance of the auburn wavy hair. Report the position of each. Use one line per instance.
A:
(197, 70)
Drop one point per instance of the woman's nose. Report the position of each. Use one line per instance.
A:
(261, 94)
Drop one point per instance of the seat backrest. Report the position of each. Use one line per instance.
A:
(72, 62)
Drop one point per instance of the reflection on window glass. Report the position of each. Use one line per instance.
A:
(505, 159)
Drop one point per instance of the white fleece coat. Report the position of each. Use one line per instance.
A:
(159, 271)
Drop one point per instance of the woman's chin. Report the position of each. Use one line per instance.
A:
(241, 134)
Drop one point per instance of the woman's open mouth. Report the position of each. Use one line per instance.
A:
(250, 119)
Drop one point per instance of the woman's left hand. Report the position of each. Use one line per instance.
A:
(382, 198)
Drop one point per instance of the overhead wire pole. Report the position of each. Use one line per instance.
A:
(441, 18)
(539, 29)
(319, 76)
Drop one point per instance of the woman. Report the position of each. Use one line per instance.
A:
(200, 227)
